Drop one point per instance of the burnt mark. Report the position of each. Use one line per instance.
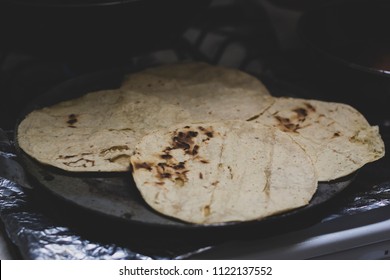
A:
(336, 134)
(253, 118)
(215, 183)
(142, 165)
(204, 161)
(192, 134)
(181, 142)
(72, 156)
(231, 172)
(121, 129)
(195, 150)
(172, 170)
(72, 119)
(301, 113)
(200, 175)
(165, 175)
(310, 107)
(208, 132)
(180, 165)
(167, 150)
(66, 157)
(286, 125)
(162, 165)
(166, 156)
(184, 140)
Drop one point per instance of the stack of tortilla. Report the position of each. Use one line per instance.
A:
(206, 144)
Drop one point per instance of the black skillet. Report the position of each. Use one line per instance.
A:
(114, 195)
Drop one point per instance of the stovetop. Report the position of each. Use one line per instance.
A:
(241, 39)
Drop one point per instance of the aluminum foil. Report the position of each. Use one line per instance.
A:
(373, 198)
(41, 236)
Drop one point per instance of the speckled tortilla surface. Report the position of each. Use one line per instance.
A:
(218, 172)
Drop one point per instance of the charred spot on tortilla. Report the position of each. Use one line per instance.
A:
(142, 165)
(309, 106)
(166, 156)
(66, 157)
(161, 165)
(208, 132)
(184, 140)
(253, 118)
(180, 165)
(192, 134)
(215, 183)
(165, 175)
(195, 150)
(72, 119)
(286, 125)
(302, 113)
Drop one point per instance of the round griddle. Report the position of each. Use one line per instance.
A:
(114, 195)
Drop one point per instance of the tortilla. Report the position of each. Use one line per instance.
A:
(222, 172)
(179, 75)
(96, 132)
(336, 136)
(209, 93)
